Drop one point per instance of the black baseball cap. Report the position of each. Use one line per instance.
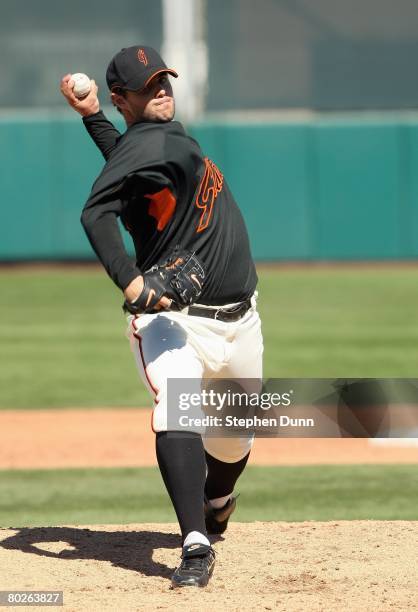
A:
(132, 68)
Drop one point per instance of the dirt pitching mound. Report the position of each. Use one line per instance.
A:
(347, 565)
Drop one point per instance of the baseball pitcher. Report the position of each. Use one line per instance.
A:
(190, 292)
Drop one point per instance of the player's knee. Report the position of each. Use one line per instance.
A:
(229, 450)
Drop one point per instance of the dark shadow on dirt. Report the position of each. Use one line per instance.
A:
(131, 550)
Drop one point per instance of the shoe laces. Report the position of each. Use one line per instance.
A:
(196, 561)
(193, 563)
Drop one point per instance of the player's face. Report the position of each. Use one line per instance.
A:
(154, 103)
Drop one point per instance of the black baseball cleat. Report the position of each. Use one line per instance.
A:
(216, 519)
(198, 562)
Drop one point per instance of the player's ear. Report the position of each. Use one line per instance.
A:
(118, 99)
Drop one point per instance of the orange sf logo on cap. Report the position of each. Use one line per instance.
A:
(142, 57)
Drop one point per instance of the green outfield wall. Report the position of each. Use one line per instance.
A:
(341, 188)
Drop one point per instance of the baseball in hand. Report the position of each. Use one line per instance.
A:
(82, 84)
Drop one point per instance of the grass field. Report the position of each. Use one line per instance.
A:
(62, 332)
(120, 496)
(62, 344)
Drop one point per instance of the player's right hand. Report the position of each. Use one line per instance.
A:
(87, 106)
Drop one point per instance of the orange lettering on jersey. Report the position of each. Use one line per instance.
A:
(210, 186)
(162, 207)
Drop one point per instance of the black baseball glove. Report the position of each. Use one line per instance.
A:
(179, 278)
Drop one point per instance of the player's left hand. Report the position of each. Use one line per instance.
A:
(134, 290)
(86, 106)
(179, 279)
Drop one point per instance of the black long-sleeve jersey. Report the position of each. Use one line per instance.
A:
(166, 193)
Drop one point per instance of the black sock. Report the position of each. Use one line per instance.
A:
(222, 476)
(181, 458)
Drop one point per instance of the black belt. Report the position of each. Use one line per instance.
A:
(227, 315)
